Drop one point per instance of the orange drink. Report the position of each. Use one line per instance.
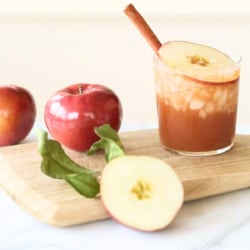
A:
(197, 108)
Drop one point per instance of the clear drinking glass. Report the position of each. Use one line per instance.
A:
(196, 116)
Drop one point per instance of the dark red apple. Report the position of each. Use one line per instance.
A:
(72, 113)
(17, 114)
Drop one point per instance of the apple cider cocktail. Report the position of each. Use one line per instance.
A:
(197, 95)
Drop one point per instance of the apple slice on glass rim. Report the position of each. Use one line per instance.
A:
(199, 61)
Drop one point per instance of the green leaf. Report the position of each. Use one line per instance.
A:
(53, 150)
(56, 164)
(109, 142)
(84, 184)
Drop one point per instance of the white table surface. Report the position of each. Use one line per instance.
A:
(215, 223)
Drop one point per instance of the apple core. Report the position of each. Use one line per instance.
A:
(198, 60)
(142, 189)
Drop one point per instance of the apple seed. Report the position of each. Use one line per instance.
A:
(142, 190)
(198, 60)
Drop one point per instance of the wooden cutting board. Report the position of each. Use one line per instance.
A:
(56, 203)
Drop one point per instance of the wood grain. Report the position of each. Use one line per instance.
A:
(56, 203)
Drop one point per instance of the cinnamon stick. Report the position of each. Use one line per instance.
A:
(143, 27)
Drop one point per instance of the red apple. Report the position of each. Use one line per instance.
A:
(17, 114)
(72, 113)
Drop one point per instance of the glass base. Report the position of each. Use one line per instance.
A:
(202, 153)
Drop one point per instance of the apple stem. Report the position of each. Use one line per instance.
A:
(80, 89)
(143, 27)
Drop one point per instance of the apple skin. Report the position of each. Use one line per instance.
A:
(17, 114)
(72, 113)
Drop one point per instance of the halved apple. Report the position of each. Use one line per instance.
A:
(198, 61)
(141, 192)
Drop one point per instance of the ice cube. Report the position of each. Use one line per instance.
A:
(196, 104)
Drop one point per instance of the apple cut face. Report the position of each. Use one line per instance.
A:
(141, 192)
(198, 61)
